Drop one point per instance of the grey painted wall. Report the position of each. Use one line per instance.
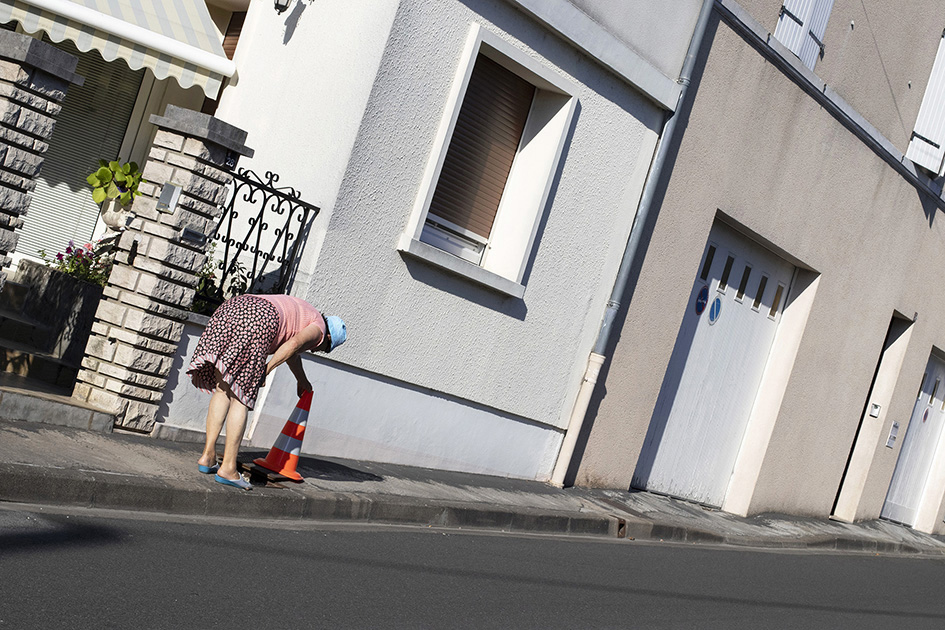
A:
(872, 61)
(659, 31)
(761, 151)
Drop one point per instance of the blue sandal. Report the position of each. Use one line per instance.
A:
(208, 470)
(238, 483)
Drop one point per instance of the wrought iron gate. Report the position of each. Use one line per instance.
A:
(256, 243)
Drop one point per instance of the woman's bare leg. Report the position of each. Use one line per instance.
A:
(235, 425)
(216, 415)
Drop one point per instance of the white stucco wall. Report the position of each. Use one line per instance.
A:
(303, 80)
(358, 415)
(437, 371)
(415, 324)
(182, 413)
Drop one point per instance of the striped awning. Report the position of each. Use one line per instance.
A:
(174, 38)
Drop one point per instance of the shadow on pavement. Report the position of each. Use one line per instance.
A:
(313, 468)
(58, 533)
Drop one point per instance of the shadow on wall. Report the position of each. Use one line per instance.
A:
(503, 16)
(292, 20)
(669, 389)
(600, 391)
(465, 289)
(174, 379)
(929, 207)
(552, 193)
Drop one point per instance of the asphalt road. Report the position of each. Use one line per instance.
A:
(78, 569)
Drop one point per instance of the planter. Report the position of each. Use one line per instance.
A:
(62, 304)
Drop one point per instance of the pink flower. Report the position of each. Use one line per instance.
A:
(59, 256)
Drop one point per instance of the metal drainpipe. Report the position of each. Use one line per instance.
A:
(632, 252)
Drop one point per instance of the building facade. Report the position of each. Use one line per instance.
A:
(759, 181)
(471, 299)
(787, 310)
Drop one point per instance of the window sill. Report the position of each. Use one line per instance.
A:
(457, 266)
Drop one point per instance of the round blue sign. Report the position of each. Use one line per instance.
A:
(715, 311)
(702, 299)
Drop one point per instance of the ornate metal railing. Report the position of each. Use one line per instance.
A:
(256, 243)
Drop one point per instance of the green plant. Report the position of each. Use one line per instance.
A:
(209, 294)
(90, 263)
(114, 180)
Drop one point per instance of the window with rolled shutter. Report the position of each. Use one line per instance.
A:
(230, 39)
(801, 27)
(927, 146)
(91, 126)
(483, 146)
(232, 35)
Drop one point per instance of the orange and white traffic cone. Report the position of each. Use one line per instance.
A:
(283, 457)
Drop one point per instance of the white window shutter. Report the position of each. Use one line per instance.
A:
(801, 27)
(927, 147)
(814, 37)
(791, 30)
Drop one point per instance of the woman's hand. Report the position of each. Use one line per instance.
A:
(303, 386)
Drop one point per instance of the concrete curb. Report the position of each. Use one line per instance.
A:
(95, 469)
(25, 483)
(645, 530)
(16, 406)
(34, 484)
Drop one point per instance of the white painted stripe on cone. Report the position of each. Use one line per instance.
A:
(288, 445)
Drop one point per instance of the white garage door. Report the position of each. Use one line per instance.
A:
(918, 448)
(716, 366)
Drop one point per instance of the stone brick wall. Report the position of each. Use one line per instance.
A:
(141, 317)
(34, 78)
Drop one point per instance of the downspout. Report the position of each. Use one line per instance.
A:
(631, 254)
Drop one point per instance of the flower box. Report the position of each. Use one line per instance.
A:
(61, 303)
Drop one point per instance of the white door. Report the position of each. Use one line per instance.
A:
(715, 369)
(918, 447)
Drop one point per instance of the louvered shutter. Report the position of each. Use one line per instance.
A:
(801, 27)
(812, 43)
(790, 29)
(92, 125)
(927, 147)
(484, 143)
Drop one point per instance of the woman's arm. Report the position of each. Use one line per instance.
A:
(295, 365)
(309, 336)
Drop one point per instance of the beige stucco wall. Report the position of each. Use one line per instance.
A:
(880, 64)
(764, 153)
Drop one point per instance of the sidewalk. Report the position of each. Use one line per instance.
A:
(64, 465)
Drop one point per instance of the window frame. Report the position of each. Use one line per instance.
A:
(529, 183)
